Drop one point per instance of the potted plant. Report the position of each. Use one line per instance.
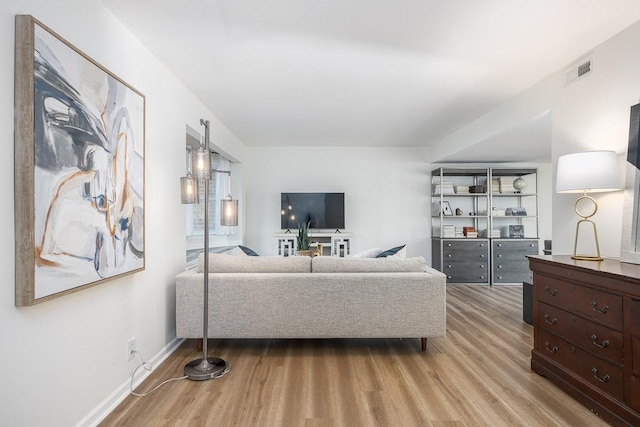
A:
(303, 244)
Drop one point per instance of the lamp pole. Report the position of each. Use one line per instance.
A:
(206, 368)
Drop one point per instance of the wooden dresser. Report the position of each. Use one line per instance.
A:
(586, 317)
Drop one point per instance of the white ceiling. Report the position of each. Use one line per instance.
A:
(366, 72)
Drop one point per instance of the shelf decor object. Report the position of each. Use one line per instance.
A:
(205, 368)
(587, 172)
(79, 169)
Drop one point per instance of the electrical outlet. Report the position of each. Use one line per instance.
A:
(131, 347)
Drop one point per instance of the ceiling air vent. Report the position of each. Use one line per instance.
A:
(578, 70)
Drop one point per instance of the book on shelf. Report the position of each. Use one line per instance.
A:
(462, 189)
(443, 187)
(494, 234)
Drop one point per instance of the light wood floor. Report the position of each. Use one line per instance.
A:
(478, 375)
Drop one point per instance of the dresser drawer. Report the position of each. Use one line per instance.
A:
(466, 245)
(634, 395)
(513, 256)
(635, 318)
(512, 276)
(519, 267)
(529, 246)
(597, 339)
(591, 303)
(600, 374)
(459, 255)
(466, 272)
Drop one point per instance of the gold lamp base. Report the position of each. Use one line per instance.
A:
(585, 219)
(587, 257)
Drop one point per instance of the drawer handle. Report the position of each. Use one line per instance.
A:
(449, 256)
(603, 344)
(500, 256)
(551, 292)
(482, 256)
(553, 321)
(553, 349)
(603, 310)
(602, 379)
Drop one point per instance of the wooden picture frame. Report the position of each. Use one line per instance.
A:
(79, 169)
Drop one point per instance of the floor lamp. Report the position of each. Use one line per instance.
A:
(199, 171)
(588, 172)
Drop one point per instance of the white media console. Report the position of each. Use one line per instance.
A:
(333, 243)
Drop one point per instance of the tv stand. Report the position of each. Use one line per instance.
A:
(334, 243)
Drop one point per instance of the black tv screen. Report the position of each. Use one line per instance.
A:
(321, 210)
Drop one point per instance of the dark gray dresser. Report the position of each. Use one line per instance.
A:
(463, 261)
(509, 260)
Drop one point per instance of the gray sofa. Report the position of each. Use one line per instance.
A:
(321, 297)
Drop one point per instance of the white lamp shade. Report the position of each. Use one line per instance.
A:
(591, 172)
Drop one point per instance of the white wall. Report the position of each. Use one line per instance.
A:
(590, 114)
(387, 200)
(62, 359)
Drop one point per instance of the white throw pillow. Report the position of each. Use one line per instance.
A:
(367, 253)
(236, 251)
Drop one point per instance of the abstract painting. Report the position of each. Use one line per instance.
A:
(79, 168)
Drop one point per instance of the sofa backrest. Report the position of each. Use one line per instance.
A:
(223, 263)
(326, 264)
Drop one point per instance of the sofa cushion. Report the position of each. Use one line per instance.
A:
(325, 264)
(222, 263)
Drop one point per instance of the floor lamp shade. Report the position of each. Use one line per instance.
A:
(588, 172)
(188, 190)
(202, 164)
(229, 211)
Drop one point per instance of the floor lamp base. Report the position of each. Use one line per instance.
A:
(201, 369)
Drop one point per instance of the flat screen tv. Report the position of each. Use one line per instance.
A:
(321, 210)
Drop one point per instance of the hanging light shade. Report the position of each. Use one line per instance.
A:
(229, 211)
(188, 190)
(202, 164)
(188, 184)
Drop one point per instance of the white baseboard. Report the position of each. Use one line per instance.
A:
(100, 412)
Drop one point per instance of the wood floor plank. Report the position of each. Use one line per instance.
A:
(479, 375)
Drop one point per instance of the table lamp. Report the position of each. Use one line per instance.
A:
(588, 172)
